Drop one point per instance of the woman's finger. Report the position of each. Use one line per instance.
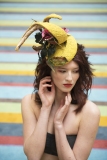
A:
(47, 77)
(43, 81)
(66, 101)
(46, 85)
(69, 97)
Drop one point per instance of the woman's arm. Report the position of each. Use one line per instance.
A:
(88, 129)
(86, 135)
(35, 130)
(63, 148)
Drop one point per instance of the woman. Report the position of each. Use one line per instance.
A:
(59, 122)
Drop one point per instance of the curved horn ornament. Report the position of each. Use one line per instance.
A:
(26, 35)
(51, 16)
(33, 28)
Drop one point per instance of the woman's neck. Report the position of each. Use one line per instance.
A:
(59, 96)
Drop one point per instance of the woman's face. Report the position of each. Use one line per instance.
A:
(65, 77)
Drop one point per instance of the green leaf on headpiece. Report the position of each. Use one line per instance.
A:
(49, 63)
(58, 61)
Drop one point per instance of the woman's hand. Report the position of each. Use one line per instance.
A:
(47, 97)
(63, 109)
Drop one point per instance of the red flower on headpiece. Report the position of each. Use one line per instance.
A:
(46, 35)
(65, 29)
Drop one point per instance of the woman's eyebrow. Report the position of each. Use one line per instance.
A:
(76, 68)
(61, 68)
(66, 68)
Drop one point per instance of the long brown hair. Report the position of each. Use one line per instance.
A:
(79, 93)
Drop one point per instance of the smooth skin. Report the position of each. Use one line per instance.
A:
(57, 116)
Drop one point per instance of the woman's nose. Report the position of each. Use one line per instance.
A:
(69, 76)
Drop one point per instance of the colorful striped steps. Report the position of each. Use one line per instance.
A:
(88, 24)
(15, 116)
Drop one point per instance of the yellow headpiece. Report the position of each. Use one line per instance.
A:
(53, 42)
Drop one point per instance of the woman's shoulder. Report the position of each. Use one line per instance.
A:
(91, 108)
(28, 103)
(29, 100)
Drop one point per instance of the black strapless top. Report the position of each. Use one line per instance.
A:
(50, 146)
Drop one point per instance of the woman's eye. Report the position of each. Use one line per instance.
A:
(62, 71)
(76, 71)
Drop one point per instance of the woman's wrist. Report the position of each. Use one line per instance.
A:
(45, 108)
(58, 125)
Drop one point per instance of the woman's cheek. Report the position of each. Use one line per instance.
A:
(75, 79)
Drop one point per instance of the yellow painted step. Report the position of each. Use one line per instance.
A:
(76, 24)
(30, 42)
(17, 118)
(53, 10)
(15, 107)
(29, 69)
